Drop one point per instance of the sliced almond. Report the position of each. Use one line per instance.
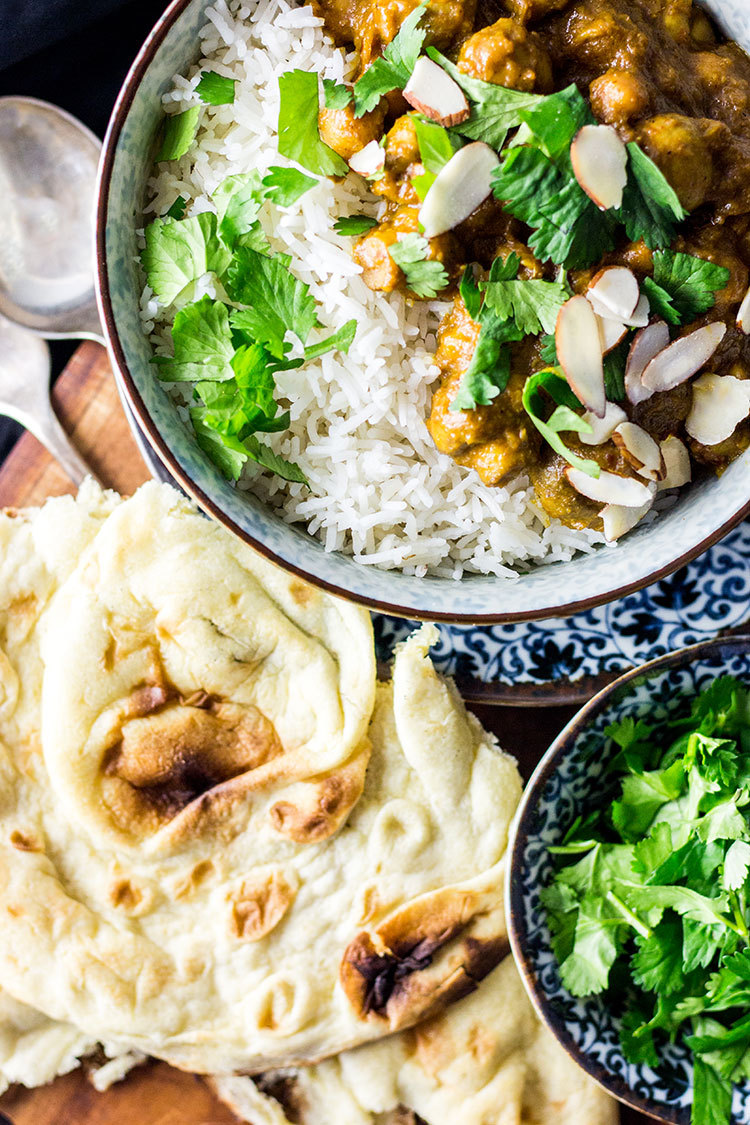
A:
(611, 333)
(618, 520)
(614, 293)
(640, 450)
(610, 488)
(579, 349)
(683, 358)
(600, 164)
(720, 403)
(369, 160)
(435, 94)
(743, 316)
(639, 319)
(676, 462)
(603, 428)
(460, 186)
(647, 343)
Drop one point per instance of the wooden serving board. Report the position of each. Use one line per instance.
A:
(86, 401)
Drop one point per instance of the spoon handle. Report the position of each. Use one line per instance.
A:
(46, 429)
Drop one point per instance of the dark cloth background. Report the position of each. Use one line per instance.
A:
(75, 54)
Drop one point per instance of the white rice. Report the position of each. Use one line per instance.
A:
(379, 489)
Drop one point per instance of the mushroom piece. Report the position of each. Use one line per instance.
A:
(579, 349)
(460, 186)
(720, 403)
(435, 94)
(600, 164)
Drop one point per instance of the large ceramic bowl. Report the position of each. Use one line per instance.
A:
(703, 514)
(566, 783)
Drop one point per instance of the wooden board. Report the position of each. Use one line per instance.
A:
(86, 401)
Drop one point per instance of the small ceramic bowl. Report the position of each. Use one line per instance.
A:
(565, 784)
(703, 514)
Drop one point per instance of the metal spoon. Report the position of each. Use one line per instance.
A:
(24, 394)
(48, 165)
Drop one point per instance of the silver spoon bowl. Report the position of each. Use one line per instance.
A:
(48, 166)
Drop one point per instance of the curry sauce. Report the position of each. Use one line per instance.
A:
(658, 72)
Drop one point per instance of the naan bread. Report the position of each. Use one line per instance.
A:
(214, 851)
(486, 1060)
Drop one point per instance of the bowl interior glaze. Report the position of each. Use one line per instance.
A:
(567, 782)
(701, 516)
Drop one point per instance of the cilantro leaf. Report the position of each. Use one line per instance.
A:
(436, 147)
(392, 70)
(533, 305)
(563, 418)
(354, 225)
(203, 347)
(177, 210)
(277, 302)
(225, 450)
(548, 351)
(284, 186)
(489, 371)
(424, 277)
(179, 251)
(690, 282)
(264, 456)
(237, 200)
(637, 1040)
(660, 301)
(336, 95)
(712, 1096)
(586, 970)
(554, 120)
(216, 89)
(339, 341)
(614, 371)
(494, 110)
(471, 294)
(179, 134)
(642, 796)
(299, 135)
(736, 865)
(651, 207)
(657, 963)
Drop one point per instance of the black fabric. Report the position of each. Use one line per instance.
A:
(76, 55)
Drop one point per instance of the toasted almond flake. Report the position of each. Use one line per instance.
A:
(611, 333)
(614, 293)
(720, 403)
(640, 450)
(677, 463)
(619, 520)
(600, 164)
(579, 349)
(610, 488)
(460, 186)
(369, 160)
(683, 358)
(647, 343)
(603, 428)
(639, 319)
(743, 316)
(435, 94)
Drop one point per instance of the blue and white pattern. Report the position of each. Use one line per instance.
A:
(562, 788)
(697, 603)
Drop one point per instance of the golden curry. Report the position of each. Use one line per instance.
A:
(659, 73)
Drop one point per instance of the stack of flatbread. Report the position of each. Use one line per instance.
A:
(225, 845)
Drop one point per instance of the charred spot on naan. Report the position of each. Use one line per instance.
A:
(319, 807)
(172, 754)
(432, 952)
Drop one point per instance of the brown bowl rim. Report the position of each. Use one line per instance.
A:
(121, 109)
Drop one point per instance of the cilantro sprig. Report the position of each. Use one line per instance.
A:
(299, 135)
(392, 70)
(657, 881)
(683, 286)
(424, 276)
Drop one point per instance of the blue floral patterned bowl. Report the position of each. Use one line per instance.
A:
(566, 782)
(702, 516)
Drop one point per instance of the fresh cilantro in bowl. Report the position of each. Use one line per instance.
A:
(649, 902)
